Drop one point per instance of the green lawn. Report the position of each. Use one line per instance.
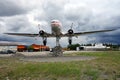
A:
(105, 67)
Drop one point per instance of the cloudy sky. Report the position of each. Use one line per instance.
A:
(87, 15)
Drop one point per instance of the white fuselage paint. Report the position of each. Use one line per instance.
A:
(56, 27)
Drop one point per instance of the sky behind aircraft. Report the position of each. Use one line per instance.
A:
(86, 15)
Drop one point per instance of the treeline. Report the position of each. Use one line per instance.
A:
(112, 46)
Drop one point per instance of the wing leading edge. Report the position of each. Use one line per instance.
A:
(23, 34)
(88, 32)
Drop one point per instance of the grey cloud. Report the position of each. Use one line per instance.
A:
(109, 38)
(51, 11)
(12, 7)
(17, 24)
(77, 13)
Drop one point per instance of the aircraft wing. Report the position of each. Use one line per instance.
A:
(62, 35)
(88, 32)
(29, 34)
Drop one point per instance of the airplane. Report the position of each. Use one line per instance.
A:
(56, 32)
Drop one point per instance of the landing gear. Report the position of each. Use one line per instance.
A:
(70, 40)
(44, 41)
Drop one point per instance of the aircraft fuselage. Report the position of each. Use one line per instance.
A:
(56, 27)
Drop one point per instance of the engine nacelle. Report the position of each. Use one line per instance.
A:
(70, 31)
(41, 32)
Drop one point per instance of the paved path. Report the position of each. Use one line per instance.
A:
(57, 59)
(46, 57)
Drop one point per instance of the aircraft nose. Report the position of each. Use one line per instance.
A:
(55, 25)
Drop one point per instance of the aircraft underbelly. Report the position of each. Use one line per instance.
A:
(56, 30)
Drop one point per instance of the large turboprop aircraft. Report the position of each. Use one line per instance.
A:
(56, 32)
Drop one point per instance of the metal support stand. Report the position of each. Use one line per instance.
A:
(57, 50)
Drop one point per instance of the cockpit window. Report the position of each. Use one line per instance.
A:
(53, 21)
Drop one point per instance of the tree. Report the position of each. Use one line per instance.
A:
(73, 46)
(30, 48)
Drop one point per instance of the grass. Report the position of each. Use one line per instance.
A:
(105, 67)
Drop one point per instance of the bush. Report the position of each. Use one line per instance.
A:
(73, 46)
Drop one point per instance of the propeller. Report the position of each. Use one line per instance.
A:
(38, 34)
(71, 26)
(39, 27)
(41, 34)
(70, 31)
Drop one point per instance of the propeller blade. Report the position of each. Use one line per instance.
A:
(39, 27)
(71, 26)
